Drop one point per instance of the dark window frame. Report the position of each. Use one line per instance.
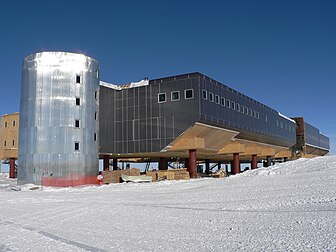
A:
(175, 92)
(162, 95)
(192, 94)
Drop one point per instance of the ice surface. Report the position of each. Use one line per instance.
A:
(286, 207)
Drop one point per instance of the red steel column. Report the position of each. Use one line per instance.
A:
(12, 168)
(192, 163)
(163, 165)
(236, 163)
(254, 163)
(106, 162)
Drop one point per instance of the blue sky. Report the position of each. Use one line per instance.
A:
(279, 52)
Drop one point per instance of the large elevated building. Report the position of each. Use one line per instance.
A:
(68, 120)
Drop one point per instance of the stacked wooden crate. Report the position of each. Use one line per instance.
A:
(115, 176)
(175, 174)
(181, 174)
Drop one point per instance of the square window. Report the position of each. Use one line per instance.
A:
(162, 97)
(77, 101)
(189, 93)
(217, 99)
(76, 123)
(222, 101)
(78, 78)
(204, 94)
(228, 103)
(175, 95)
(76, 146)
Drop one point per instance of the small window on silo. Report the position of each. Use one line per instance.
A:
(189, 93)
(238, 107)
(78, 78)
(77, 101)
(250, 112)
(5, 124)
(175, 95)
(257, 115)
(5, 143)
(13, 123)
(76, 123)
(95, 137)
(162, 97)
(76, 146)
(254, 113)
(246, 110)
(242, 109)
(95, 116)
(96, 95)
(13, 142)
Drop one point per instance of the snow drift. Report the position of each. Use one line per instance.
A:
(286, 207)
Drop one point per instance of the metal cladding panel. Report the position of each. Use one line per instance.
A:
(59, 99)
(224, 107)
(311, 135)
(324, 142)
(133, 120)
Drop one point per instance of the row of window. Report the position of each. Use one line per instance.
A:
(229, 104)
(5, 143)
(13, 123)
(285, 126)
(175, 95)
(77, 143)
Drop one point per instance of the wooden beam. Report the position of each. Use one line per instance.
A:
(188, 143)
(252, 150)
(232, 147)
(267, 152)
(283, 154)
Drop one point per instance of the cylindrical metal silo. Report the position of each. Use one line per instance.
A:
(58, 137)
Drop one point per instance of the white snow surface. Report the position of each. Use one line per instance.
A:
(286, 207)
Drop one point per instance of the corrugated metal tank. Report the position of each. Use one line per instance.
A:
(58, 139)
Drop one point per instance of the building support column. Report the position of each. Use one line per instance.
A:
(192, 163)
(115, 164)
(163, 164)
(106, 159)
(285, 159)
(12, 173)
(268, 161)
(254, 163)
(207, 166)
(236, 163)
(219, 165)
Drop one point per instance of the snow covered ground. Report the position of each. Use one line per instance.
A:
(287, 207)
